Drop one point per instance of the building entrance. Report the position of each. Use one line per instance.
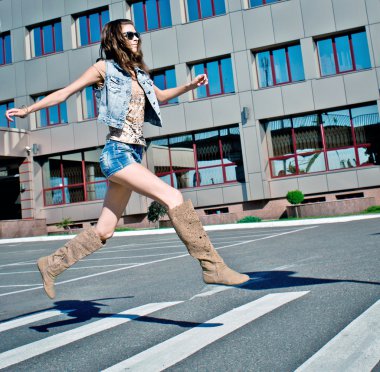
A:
(10, 195)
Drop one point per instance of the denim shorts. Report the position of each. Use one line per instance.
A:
(117, 155)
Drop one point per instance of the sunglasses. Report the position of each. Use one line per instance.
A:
(130, 35)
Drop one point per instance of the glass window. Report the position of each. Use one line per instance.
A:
(72, 178)
(89, 26)
(5, 49)
(46, 39)
(151, 14)
(331, 140)
(165, 79)
(220, 77)
(202, 159)
(361, 52)
(90, 109)
(4, 122)
(56, 114)
(279, 66)
(198, 9)
(343, 53)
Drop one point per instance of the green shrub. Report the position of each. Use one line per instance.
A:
(248, 219)
(65, 223)
(295, 197)
(373, 209)
(155, 211)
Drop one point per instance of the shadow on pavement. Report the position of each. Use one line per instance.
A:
(284, 279)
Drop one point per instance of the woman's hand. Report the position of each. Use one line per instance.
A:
(21, 112)
(198, 81)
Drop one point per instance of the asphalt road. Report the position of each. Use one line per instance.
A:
(139, 304)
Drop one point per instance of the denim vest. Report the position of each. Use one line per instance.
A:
(114, 97)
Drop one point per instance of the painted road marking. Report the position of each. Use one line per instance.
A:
(172, 351)
(356, 348)
(157, 261)
(23, 320)
(33, 349)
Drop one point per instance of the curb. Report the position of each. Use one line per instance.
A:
(236, 226)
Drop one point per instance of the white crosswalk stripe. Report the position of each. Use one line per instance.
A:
(356, 348)
(33, 349)
(5, 326)
(185, 344)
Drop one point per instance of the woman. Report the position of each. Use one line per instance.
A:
(127, 98)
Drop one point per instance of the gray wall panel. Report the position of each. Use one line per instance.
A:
(342, 180)
(235, 194)
(217, 36)
(361, 86)
(62, 138)
(287, 21)
(368, 177)
(18, 44)
(243, 71)
(33, 68)
(53, 9)
(238, 35)
(75, 6)
(280, 187)
(173, 117)
(7, 78)
(57, 71)
(268, 103)
(6, 15)
(20, 79)
(85, 134)
(32, 12)
(42, 138)
(255, 187)
(209, 196)
(164, 48)
(313, 184)
(375, 38)
(226, 110)
(251, 147)
(191, 44)
(298, 97)
(198, 115)
(258, 27)
(373, 10)
(329, 92)
(349, 13)
(318, 17)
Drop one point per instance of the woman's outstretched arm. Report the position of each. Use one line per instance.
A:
(168, 94)
(90, 76)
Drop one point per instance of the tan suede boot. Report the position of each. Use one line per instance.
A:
(74, 250)
(190, 230)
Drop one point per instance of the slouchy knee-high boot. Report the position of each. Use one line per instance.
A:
(190, 230)
(74, 250)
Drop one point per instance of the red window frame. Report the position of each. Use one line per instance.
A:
(2, 46)
(146, 15)
(337, 72)
(46, 111)
(207, 87)
(62, 188)
(273, 67)
(263, 2)
(324, 150)
(40, 28)
(171, 172)
(88, 28)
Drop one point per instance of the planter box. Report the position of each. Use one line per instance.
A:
(330, 208)
(22, 228)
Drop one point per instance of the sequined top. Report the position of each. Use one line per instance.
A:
(132, 131)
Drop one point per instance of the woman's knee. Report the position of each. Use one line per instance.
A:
(174, 198)
(104, 233)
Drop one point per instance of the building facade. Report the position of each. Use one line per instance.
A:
(292, 103)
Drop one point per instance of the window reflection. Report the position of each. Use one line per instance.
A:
(151, 14)
(5, 49)
(205, 158)
(165, 79)
(64, 181)
(331, 140)
(56, 114)
(197, 9)
(46, 39)
(4, 122)
(89, 26)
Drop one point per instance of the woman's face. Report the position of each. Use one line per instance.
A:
(133, 44)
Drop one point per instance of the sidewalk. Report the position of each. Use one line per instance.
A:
(235, 226)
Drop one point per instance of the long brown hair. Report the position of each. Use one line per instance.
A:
(114, 45)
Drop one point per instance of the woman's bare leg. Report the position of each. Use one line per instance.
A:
(137, 178)
(116, 200)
